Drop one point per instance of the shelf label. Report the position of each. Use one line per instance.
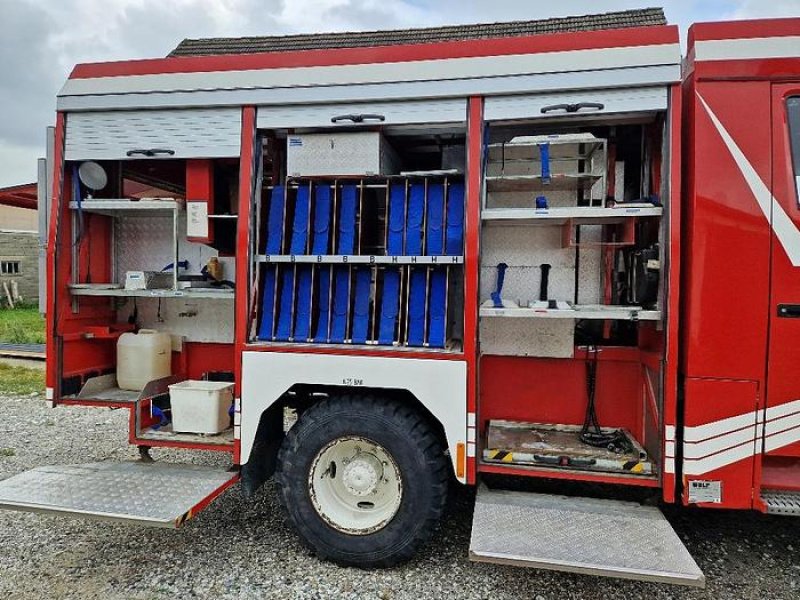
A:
(196, 219)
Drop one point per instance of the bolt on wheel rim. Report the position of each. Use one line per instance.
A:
(355, 485)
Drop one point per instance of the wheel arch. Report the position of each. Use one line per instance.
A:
(272, 381)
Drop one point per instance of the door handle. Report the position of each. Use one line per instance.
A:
(358, 118)
(789, 311)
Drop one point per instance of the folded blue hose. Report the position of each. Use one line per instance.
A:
(361, 305)
(390, 306)
(302, 207)
(434, 235)
(416, 308)
(322, 219)
(454, 235)
(437, 308)
(414, 218)
(397, 219)
(284, 329)
(267, 305)
(277, 205)
(341, 304)
(302, 317)
(347, 220)
(324, 298)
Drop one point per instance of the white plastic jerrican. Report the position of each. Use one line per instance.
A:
(143, 357)
(200, 406)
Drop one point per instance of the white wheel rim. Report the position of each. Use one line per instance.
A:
(355, 485)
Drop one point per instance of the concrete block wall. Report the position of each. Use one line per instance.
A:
(22, 246)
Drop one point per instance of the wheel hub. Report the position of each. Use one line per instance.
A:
(362, 475)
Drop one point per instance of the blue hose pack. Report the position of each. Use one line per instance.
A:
(316, 286)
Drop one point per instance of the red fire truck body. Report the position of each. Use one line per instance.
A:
(625, 233)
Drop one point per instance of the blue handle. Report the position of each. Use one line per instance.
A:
(544, 153)
(496, 295)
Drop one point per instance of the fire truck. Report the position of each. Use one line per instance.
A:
(374, 265)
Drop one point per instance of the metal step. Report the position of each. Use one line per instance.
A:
(580, 535)
(782, 502)
(155, 494)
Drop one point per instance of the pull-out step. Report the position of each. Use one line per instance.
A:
(782, 502)
(155, 494)
(580, 535)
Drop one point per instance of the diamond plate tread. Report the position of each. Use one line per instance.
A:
(782, 502)
(580, 535)
(155, 494)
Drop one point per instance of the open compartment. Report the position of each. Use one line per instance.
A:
(360, 238)
(571, 299)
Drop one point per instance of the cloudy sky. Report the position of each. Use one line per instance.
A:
(42, 39)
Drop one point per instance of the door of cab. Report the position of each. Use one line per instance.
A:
(782, 412)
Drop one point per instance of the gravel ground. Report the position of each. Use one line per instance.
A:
(245, 550)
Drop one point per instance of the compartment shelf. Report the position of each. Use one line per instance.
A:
(112, 290)
(579, 215)
(364, 259)
(535, 183)
(583, 311)
(123, 207)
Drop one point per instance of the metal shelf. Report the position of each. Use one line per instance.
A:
(351, 259)
(585, 311)
(535, 183)
(105, 289)
(123, 207)
(579, 215)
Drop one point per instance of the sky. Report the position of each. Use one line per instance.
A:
(41, 40)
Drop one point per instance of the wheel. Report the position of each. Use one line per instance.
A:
(363, 480)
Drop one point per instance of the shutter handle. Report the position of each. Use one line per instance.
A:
(358, 118)
(136, 151)
(572, 108)
(157, 151)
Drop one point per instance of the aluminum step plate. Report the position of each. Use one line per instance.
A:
(155, 494)
(780, 502)
(580, 535)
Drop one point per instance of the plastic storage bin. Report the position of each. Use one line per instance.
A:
(200, 406)
(143, 357)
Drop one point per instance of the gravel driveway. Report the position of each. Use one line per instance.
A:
(240, 550)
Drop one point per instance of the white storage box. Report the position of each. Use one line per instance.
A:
(358, 154)
(200, 406)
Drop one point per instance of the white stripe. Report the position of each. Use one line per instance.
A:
(718, 444)
(669, 432)
(470, 419)
(669, 465)
(779, 440)
(470, 449)
(237, 418)
(237, 404)
(699, 433)
(741, 49)
(471, 434)
(781, 410)
(781, 223)
(717, 461)
(421, 70)
(237, 432)
(669, 448)
(49, 393)
(782, 424)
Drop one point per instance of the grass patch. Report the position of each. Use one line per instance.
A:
(23, 325)
(7, 452)
(20, 381)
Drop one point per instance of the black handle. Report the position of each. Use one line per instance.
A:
(545, 282)
(572, 108)
(789, 311)
(150, 151)
(358, 118)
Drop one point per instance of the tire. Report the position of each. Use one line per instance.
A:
(383, 453)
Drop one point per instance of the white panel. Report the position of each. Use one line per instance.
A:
(403, 90)
(197, 133)
(749, 48)
(394, 113)
(441, 385)
(626, 100)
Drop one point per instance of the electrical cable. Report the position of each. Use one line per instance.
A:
(591, 433)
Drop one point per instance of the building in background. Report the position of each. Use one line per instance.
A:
(19, 239)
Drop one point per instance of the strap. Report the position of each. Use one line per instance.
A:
(544, 154)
